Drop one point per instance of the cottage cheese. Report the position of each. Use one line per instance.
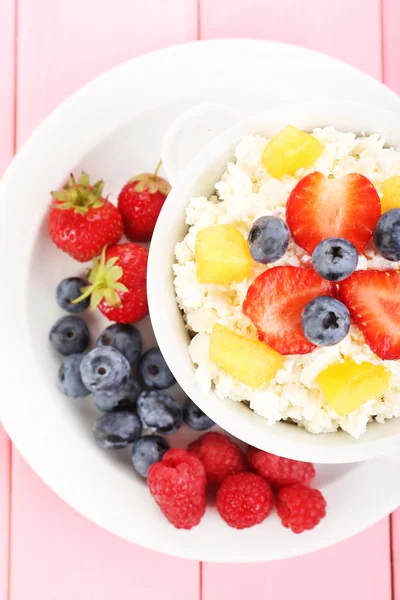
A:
(245, 193)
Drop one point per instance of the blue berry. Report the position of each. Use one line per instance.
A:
(335, 259)
(146, 451)
(69, 335)
(68, 290)
(154, 370)
(325, 321)
(124, 338)
(69, 377)
(268, 239)
(159, 412)
(123, 399)
(116, 430)
(387, 234)
(105, 369)
(194, 416)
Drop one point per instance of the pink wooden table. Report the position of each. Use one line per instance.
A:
(47, 50)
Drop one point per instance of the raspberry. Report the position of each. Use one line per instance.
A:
(178, 485)
(220, 456)
(300, 507)
(244, 500)
(280, 472)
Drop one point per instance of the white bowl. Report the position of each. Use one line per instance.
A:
(198, 179)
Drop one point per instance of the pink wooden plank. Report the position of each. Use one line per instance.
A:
(5, 452)
(55, 552)
(391, 45)
(356, 568)
(345, 29)
(396, 554)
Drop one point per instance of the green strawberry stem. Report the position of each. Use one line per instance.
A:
(104, 282)
(157, 169)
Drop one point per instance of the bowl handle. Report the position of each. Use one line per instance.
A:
(190, 132)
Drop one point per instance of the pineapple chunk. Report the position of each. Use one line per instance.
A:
(222, 255)
(391, 193)
(289, 151)
(347, 385)
(250, 361)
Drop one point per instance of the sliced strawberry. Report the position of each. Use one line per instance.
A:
(275, 301)
(319, 207)
(373, 299)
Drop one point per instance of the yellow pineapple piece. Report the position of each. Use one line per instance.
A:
(222, 255)
(250, 361)
(347, 385)
(391, 193)
(289, 151)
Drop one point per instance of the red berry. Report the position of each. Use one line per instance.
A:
(320, 207)
(81, 222)
(118, 283)
(178, 485)
(140, 202)
(244, 500)
(373, 299)
(220, 456)
(275, 301)
(300, 507)
(280, 472)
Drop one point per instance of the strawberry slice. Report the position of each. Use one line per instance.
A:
(373, 299)
(319, 207)
(275, 301)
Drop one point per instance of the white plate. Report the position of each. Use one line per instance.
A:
(113, 128)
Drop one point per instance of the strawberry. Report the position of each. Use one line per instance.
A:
(140, 202)
(81, 222)
(373, 299)
(118, 283)
(275, 301)
(320, 207)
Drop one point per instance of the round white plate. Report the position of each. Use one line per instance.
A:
(112, 128)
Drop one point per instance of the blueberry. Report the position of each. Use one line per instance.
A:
(105, 369)
(124, 338)
(387, 234)
(123, 399)
(69, 377)
(68, 290)
(69, 335)
(154, 370)
(268, 239)
(116, 430)
(146, 451)
(325, 321)
(159, 412)
(335, 259)
(194, 416)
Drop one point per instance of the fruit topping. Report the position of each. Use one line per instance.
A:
(115, 430)
(69, 377)
(105, 369)
(347, 385)
(140, 202)
(159, 412)
(194, 417)
(122, 399)
(289, 151)
(81, 222)
(249, 361)
(279, 472)
(69, 335)
(154, 371)
(325, 321)
(125, 338)
(373, 299)
(222, 255)
(300, 508)
(220, 456)
(268, 239)
(320, 207)
(391, 193)
(147, 451)
(69, 290)
(335, 259)
(244, 500)
(387, 235)
(275, 301)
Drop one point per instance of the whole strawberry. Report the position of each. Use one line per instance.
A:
(140, 202)
(118, 283)
(81, 222)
